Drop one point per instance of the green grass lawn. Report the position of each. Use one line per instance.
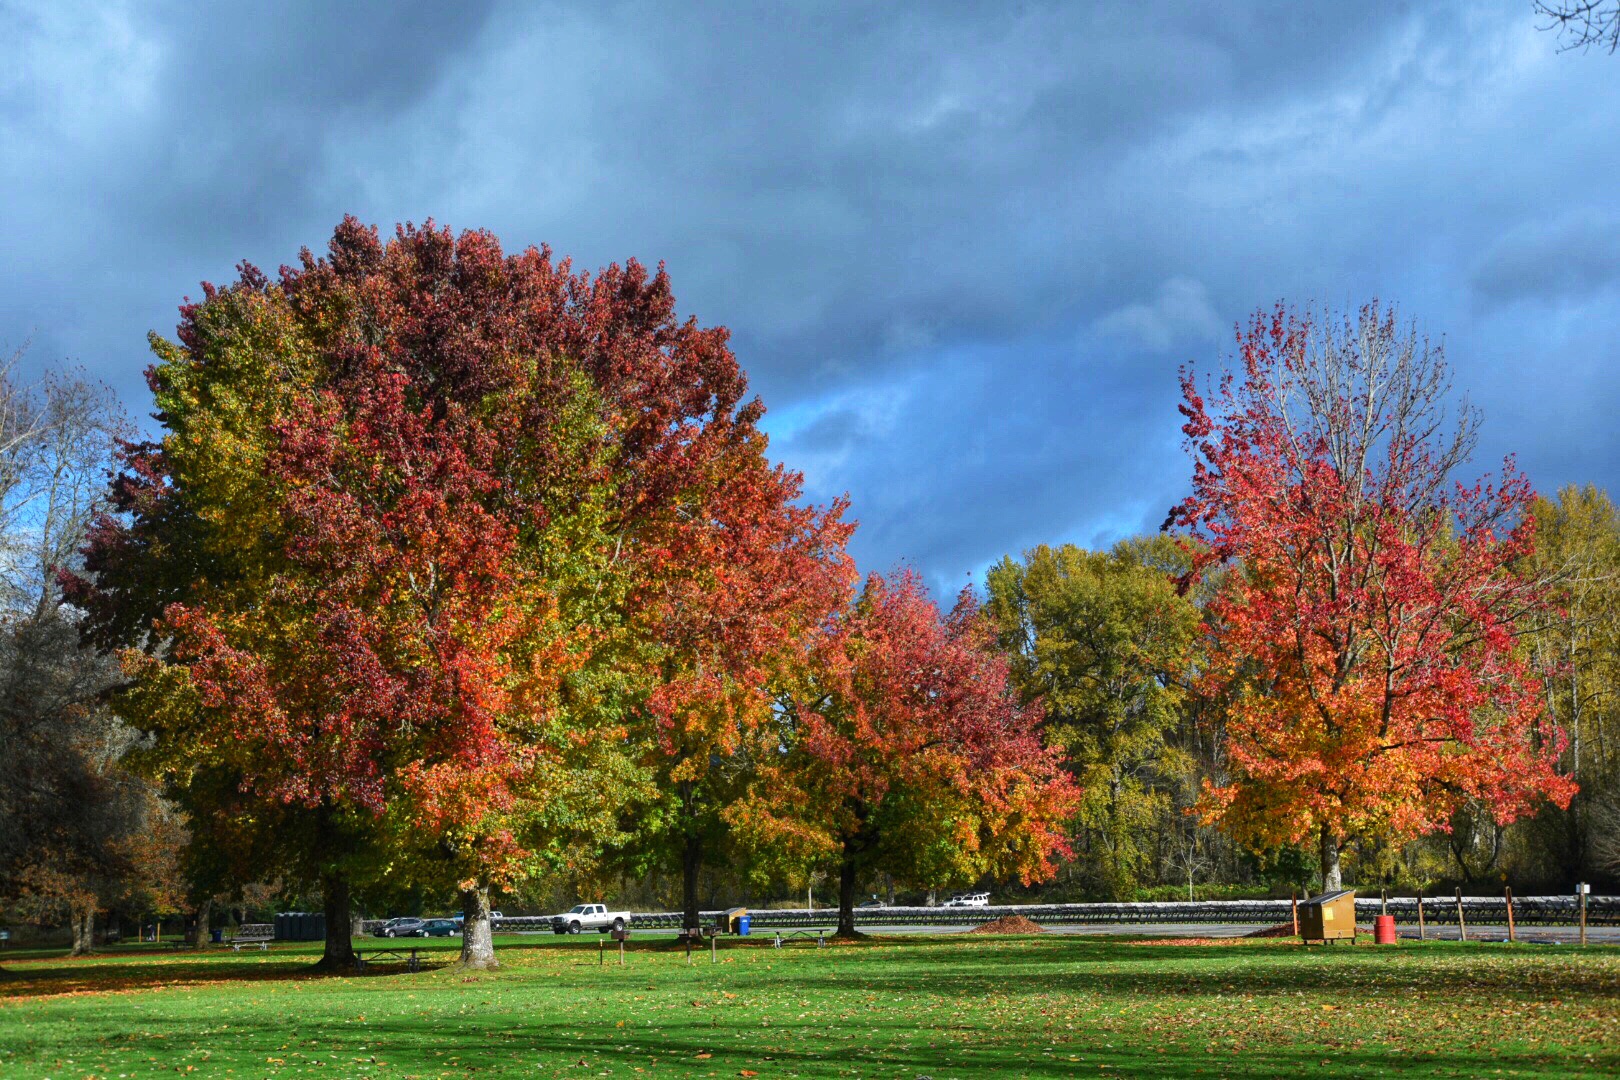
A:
(899, 1007)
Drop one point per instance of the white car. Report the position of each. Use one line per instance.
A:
(589, 917)
(968, 899)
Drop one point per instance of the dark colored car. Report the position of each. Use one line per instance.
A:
(400, 928)
(440, 928)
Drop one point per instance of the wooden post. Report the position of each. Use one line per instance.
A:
(1584, 888)
(601, 953)
(621, 952)
(1383, 901)
(1509, 894)
(714, 948)
(1293, 902)
(1421, 935)
(1462, 924)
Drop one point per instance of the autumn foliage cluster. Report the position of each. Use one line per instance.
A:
(454, 570)
(454, 567)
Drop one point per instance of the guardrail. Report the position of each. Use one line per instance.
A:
(1481, 910)
(1438, 910)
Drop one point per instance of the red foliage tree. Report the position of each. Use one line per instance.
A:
(906, 751)
(1366, 643)
(433, 528)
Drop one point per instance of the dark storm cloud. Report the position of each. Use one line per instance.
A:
(963, 247)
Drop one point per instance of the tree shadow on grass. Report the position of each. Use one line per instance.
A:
(826, 1050)
(78, 978)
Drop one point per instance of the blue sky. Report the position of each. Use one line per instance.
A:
(963, 248)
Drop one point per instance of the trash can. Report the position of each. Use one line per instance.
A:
(742, 926)
(217, 935)
(1383, 929)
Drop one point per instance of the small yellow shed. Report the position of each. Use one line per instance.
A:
(1329, 917)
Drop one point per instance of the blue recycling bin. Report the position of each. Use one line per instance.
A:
(217, 935)
(742, 925)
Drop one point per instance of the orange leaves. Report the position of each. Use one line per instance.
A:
(905, 745)
(1363, 648)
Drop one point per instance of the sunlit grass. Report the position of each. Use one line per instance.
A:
(898, 1007)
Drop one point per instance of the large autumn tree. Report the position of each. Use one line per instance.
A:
(440, 546)
(903, 749)
(1367, 646)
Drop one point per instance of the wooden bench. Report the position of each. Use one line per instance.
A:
(409, 956)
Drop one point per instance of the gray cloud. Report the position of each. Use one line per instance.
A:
(963, 248)
(1566, 259)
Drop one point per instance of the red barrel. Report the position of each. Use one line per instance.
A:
(1383, 929)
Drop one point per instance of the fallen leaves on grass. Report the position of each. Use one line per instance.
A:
(1009, 924)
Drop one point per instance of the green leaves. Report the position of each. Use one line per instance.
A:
(1107, 645)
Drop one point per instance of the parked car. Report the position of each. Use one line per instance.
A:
(968, 899)
(873, 903)
(400, 928)
(589, 917)
(459, 918)
(440, 927)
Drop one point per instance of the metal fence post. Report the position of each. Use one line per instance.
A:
(1585, 888)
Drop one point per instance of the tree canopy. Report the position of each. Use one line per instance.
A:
(1367, 648)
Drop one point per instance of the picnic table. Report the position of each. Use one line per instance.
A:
(253, 937)
(819, 933)
(410, 956)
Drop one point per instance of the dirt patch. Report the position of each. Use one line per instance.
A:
(1009, 924)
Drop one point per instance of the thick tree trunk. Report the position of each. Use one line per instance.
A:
(691, 864)
(339, 952)
(477, 936)
(84, 930)
(197, 926)
(846, 894)
(1331, 877)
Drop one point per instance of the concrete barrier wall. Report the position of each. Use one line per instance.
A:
(1438, 910)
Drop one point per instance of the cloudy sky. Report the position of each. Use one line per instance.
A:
(963, 248)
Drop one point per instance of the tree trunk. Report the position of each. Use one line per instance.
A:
(339, 952)
(1331, 878)
(846, 894)
(197, 930)
(477, 936)
(691, 864)
(84, 928)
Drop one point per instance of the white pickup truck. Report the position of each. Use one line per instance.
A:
(589, 917)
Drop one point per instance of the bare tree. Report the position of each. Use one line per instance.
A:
(67, 806)
(1582, 24)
